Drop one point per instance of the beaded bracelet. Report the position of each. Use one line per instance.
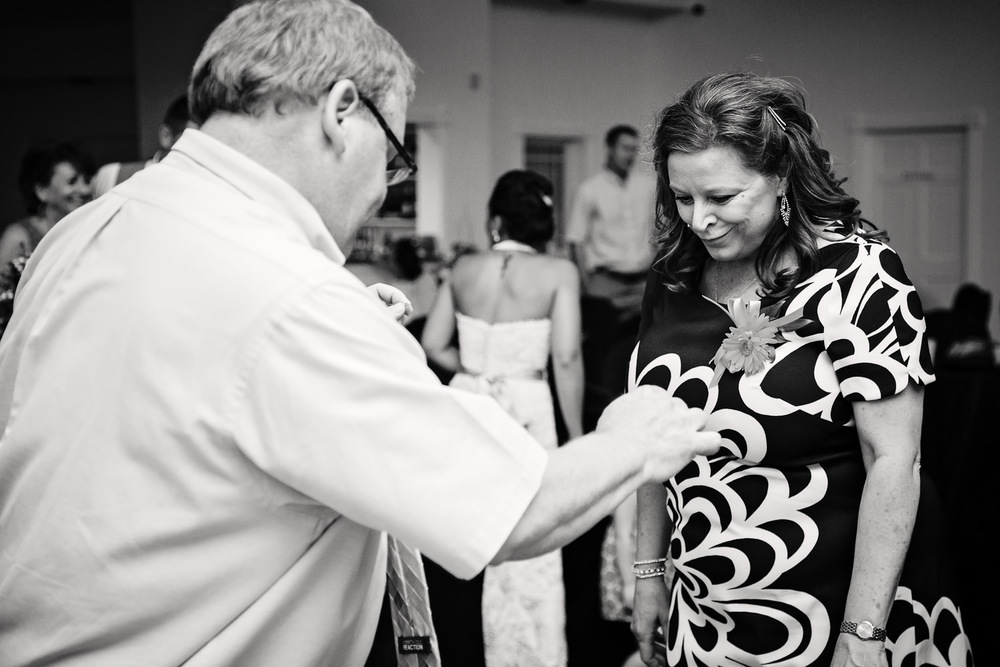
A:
(650, 573)
(649, 562)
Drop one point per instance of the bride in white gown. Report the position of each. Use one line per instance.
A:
(514, 307)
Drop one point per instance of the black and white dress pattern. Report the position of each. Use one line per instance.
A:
(763, 533)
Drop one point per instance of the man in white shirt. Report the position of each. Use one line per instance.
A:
(209, 425)
(610, 228)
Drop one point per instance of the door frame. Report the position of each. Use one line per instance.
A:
(973, 121)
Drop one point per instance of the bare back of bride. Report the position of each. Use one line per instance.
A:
(515, 307)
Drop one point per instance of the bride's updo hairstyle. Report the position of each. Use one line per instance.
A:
(522, 200)
(764, 121)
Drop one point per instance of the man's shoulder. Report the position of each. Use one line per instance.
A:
(642, 179)
(243, 232)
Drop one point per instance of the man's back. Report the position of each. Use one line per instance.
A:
(133, 336)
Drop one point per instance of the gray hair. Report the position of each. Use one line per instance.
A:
(278, 52)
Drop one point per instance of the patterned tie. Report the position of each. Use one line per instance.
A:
(411, 610)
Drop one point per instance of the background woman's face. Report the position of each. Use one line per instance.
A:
(728, 207)
(67, 191)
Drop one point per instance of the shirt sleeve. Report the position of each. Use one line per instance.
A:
(105, 178)
(873, 322)
(578, 225)
(338, 403)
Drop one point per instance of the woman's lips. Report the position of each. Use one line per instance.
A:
(716, 239)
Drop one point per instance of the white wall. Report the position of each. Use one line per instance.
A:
(449, 40)
(168, 39)
(894, 57)
(552, 70)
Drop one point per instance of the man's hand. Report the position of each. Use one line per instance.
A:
(665, 429)
(399, 306)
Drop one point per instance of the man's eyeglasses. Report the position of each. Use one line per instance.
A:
(401, 166)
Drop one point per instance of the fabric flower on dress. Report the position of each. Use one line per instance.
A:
(749, 345)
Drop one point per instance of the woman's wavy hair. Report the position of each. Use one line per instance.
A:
(285, 52)
(731, 110)
(522, 199)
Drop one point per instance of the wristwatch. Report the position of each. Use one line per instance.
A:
(863, 630)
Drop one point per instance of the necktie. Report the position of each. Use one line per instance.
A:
(416, 643)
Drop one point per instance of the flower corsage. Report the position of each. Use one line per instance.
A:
(750, 343)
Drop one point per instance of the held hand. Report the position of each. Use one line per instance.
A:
(664, 429)
(628, 591)
(853, 652)
(399, 306)
(649, 616)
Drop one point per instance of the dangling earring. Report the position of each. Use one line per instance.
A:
(786, 209)
(495, 233)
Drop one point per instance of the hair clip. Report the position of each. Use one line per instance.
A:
(777, 118)
(547, 200)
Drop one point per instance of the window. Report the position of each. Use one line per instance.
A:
(401, 199)
(396, 217)
(554, 158)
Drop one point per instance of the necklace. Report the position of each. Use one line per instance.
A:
(737, 293)
(508, 246)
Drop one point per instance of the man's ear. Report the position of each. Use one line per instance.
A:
(342, 101)
(165, 137)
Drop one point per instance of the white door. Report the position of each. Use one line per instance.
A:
(917, 194)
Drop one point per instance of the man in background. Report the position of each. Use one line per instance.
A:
(209, 425)
(610, 229)
(175, 121)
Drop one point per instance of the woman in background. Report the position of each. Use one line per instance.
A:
(513, 308)
(54, 181)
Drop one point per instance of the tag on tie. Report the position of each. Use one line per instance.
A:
(414, 644)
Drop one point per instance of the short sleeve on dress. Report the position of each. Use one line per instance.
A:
(874, 329)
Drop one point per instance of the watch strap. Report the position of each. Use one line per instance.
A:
(877, 634)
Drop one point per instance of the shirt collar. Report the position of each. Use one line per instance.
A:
(612, 176)
(260, 184)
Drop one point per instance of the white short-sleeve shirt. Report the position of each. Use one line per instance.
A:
(208, 423)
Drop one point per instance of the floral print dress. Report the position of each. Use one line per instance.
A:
(763, 532)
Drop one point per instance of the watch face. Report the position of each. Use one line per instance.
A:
(865, 629)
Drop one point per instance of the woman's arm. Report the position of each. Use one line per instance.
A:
(889, 430)
(440, 328)
(13, 242)
(624, 527)
(567, 360)
(652, 602)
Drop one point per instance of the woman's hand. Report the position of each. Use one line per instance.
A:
(399, 306)
(649, 614)
(853, 652)
(628, 592)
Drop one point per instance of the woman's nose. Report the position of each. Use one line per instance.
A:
(701, 217)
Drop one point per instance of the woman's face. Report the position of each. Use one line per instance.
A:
(67, 191)
(729, 208)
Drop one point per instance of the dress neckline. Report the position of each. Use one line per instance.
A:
(510, 245)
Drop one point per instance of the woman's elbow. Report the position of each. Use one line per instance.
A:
(566, 358)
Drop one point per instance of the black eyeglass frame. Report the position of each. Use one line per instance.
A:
(394, 175)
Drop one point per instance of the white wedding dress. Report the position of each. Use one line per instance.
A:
(524, 615)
